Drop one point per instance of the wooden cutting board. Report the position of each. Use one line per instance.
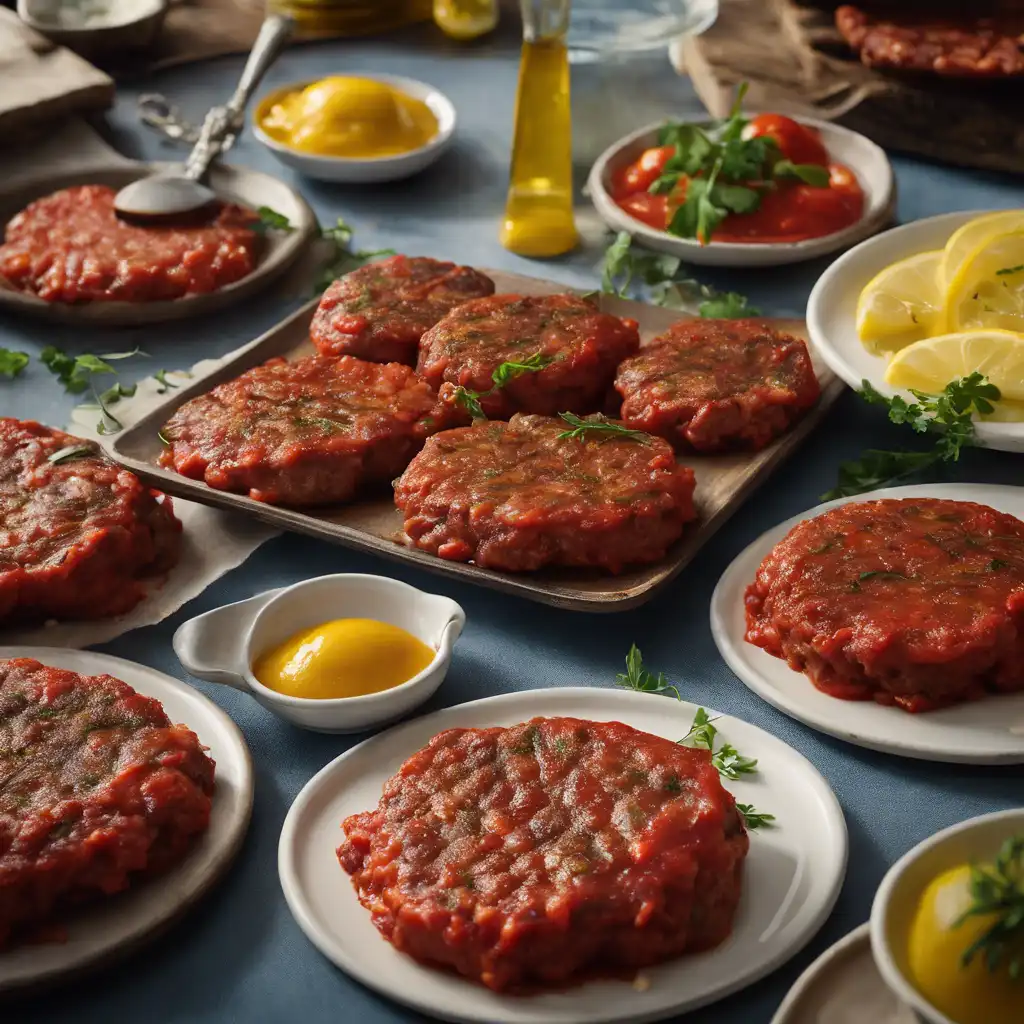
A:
(795, 60)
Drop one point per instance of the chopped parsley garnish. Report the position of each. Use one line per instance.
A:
(600, 426)
(948, 416)
(12, 364)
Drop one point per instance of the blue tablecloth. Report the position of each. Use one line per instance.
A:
(240, 956)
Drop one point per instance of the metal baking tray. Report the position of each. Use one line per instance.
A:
(723, 481)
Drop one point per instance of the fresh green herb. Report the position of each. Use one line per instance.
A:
(76, 372)
(673, 785)
(599, 425)
(754, 819)
(109, 423)
(164, 440)
(702, 732)
(880, 574)
(809, 174)
(638, 678)
(72, 451)
(996, 564)
(1010, 270)
(271, 220)
(161, 378)
(340, 257)
(947, 415)
(469, 400)
(116, 392)
(12, 363)
(731, 763)
(667, 281)
(528, 741)
(998, 889)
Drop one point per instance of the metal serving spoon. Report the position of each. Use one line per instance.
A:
(172, 194)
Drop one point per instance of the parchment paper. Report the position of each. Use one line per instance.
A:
(213, 541)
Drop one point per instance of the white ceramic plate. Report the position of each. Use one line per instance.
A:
(793, 872)
(989, 731)
(861, 155)
(377, 169)
(843, 986)
(100, 933)
(832, 310)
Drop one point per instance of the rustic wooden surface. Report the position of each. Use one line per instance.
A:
(795, 60)
(724, 482)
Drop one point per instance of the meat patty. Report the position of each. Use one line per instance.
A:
(519, 495)
(72, 247)
(715, 385)
(78, 534)
(542, 853)
(99, 789)
(380, 311)
(582, 344)
(912, 601)
(962, 45)
(312, 432)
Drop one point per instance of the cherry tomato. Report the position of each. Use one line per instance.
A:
(799, 144)
(640, 176)
(650, 209)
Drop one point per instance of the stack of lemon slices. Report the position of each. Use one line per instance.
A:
(951, 312)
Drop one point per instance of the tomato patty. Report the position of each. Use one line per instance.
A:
(99, 789)
(715, 385)
(549, 851)
(518, 496)
(312, 432)
(379, 312)
(78, 534)
(583, 345)
(912, 601)
(71, 247)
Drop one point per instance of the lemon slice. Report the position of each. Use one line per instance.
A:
(466, 19)
(967, 240)
(902, 304)
(988, 290)
(929, 365)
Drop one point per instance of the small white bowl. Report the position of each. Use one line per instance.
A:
(896, 901)
(222, 645)
(126, 25)
(376, 169)
(861, 155)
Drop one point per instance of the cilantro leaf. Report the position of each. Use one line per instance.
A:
(617, 261)
(638, 678)
(728, 306)
(702, 732)
(271, 220)
(736, 198)
(75, 372)
(731, 763)
(809, 174)
(341, 258)
(12, 363)
(469, 401)
(754, 819)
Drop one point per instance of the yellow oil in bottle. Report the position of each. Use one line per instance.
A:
(539, 213)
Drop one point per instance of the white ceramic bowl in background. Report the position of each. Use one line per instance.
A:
(832, 310)
(861, 155)
(222, 645)
(352, 171)
(124, 25)
(896, 901)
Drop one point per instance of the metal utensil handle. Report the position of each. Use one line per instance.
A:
(224, 121)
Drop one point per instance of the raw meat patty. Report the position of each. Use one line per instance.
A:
(313, 432)
(550, 851)
(715, 385)
(380, 311)
(584, 346)
(518, 496)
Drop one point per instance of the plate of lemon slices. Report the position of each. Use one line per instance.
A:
(926, 304)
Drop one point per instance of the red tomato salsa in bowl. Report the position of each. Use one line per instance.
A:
(766, 180)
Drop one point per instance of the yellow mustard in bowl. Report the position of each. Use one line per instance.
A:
(354, 118)
(343, 658)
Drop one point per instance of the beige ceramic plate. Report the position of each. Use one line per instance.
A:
(238, 184)
(723, 481)
(843, 986)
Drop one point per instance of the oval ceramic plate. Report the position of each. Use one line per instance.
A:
(793, 872)
(861, 155)
(832, 310)
(375, 169)
(103, 931)
(988, 731)
(843, 986)
(234, 184)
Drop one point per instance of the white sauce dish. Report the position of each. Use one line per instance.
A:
(93, 27)
(221, 646)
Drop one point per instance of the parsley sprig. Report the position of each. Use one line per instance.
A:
(998, 889)
(12, 364)
(947, 415)
(723, 172)
(637, 677)
(469, 400)
(668, 282)
(604, 428)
